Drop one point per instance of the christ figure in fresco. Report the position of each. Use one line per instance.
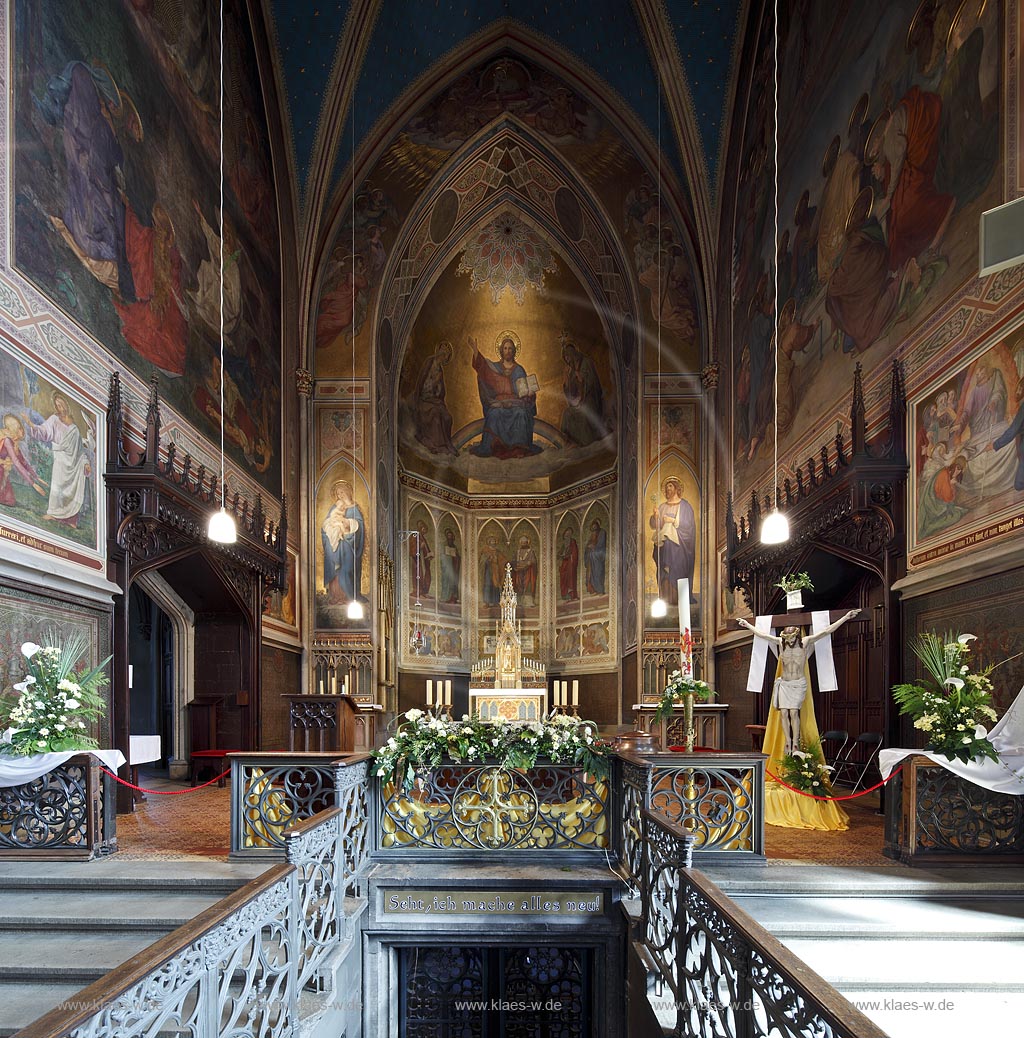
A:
(508, 401)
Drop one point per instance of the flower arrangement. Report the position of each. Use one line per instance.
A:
(952, 710)
(56, 705)
(805, 769)
(676, 691)
(423, 740)
(795, 582)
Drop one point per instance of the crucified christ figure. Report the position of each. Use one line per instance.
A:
(791, 685)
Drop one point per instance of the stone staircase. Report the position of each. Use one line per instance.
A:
(65, 925)
(936, 952)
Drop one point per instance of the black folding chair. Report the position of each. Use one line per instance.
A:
(858, 759)
(829, 740)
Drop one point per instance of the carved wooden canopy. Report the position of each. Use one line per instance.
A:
(159, 506)
(849, 502)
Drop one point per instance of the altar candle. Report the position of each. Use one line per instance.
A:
(575, 693)
(685, 634)
(448, 692)
(334, 685)
(430, 692)
(321, 686)
(562, 692)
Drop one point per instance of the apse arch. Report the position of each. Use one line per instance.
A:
(417, 260)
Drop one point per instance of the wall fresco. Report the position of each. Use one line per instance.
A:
(105, 108)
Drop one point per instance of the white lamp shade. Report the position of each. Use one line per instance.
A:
(355, 610)
(775, 529)
(659, 607)
(222, 527)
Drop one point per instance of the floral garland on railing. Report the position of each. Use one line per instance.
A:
(424, 740)
(56, 705)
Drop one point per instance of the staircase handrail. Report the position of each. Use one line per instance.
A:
(701, 945)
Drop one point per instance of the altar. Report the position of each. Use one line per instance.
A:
(508, 684)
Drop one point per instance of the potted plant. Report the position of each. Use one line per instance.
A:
(952, 709)
(56, 705)
(793, 584)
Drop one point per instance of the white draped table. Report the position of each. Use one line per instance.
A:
(16, 771)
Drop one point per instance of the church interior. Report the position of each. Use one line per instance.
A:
(498, 334)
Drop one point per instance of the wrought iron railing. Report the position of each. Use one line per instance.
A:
(459, 808)
(717, 972)
(67, 813)
(231, 971)
(718, 798)
(272, 791)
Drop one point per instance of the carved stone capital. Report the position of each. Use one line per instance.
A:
(709, 375)
(304, 381)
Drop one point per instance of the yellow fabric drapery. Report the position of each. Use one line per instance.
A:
(782, 806)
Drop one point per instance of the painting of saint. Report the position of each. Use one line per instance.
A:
(524, 573)
(568, 567)
(343, 535)
(451, 569)
(420, 556)
(492, 561)
(583, 419)
(595, 556)
(343, 303)
(72, 460)
(508, 397)
(675, 540)
(430, 414)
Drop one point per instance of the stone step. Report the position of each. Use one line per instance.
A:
(940, 1014)
(869, 918)
(933, 966)
(20, 1002)
(55, 912)
(64, 925)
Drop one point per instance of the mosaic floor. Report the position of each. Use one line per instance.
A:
(196, 824)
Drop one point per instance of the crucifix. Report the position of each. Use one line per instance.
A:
(794, 649)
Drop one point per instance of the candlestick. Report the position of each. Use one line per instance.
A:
(430, 692)
(575, 693)
(685, 633)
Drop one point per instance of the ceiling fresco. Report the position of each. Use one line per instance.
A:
(409, 36)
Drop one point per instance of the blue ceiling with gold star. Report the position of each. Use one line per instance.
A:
(410, 36)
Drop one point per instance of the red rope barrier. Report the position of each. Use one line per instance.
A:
(851, 796)
(164, 792)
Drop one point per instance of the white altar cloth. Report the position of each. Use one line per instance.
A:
(15, 771)
(144, 748)
(1003, 776)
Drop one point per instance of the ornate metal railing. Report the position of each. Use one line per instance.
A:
(231, 971)
(934, 816)
(471, 808)
(718, 798)
(721, 974)
(272, 791)
(68, 813)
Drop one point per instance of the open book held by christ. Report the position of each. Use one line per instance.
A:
(526, 386)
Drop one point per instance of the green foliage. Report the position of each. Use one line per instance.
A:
(795, 582)
(954, 707)
(424, 741)
(56, 706)
(805, 769)
(675, 693)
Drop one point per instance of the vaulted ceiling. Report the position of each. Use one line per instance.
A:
(340, 56)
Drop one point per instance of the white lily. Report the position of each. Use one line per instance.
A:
(29, 649)
(957, 683)
(965, 638)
